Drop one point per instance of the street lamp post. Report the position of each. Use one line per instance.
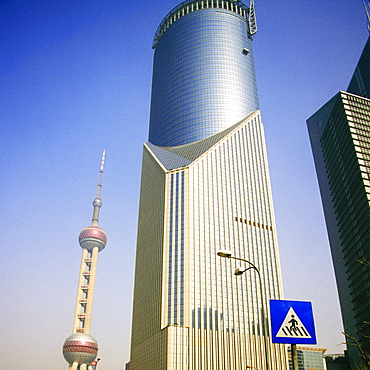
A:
(239, 271)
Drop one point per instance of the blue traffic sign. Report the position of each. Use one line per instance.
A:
(292, 322)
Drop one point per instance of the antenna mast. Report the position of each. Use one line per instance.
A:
(97, 203)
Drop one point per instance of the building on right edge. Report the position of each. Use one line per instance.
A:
(340, 139)
(309, 358)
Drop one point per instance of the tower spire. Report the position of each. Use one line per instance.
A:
(97, 201)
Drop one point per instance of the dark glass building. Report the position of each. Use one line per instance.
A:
(360, 82)
(340, 140)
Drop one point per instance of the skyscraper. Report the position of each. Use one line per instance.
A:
(205, 187)
(80, 349)
(340, 136)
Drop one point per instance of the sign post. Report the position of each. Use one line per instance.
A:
(292, 323)
(294, 354)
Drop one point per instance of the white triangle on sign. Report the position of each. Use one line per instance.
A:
(292, 327)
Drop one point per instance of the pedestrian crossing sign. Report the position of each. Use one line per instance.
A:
(292, 322)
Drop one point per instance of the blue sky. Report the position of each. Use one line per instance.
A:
(75, 78)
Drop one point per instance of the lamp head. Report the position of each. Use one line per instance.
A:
(224, 253)
(239, 271)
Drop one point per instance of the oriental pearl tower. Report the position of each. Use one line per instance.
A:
(80, 349)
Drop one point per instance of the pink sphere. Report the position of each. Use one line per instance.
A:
(80, 348)
(91, 237)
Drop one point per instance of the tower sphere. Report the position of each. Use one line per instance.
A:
(97, 202)
(80, 348)
(91, 237)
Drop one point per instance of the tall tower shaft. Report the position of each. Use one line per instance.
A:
(205, 187)
(81, 349)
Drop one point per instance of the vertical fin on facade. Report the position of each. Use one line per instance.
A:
(252, 22)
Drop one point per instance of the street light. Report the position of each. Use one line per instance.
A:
(241, 271)
(224, 253)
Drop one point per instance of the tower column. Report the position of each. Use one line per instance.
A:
(80, 293)
(94, 262)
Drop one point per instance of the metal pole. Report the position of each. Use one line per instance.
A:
(294, 355)
(264, 326)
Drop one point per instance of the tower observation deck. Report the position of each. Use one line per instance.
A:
(80, 349)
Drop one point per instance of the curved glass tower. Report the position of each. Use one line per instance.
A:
(205, 187)
(203, 77)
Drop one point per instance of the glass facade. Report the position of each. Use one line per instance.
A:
(360, 82)
(176, 240)
(340, 138)
(203, 77)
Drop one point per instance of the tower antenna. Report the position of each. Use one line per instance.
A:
(97, 201)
